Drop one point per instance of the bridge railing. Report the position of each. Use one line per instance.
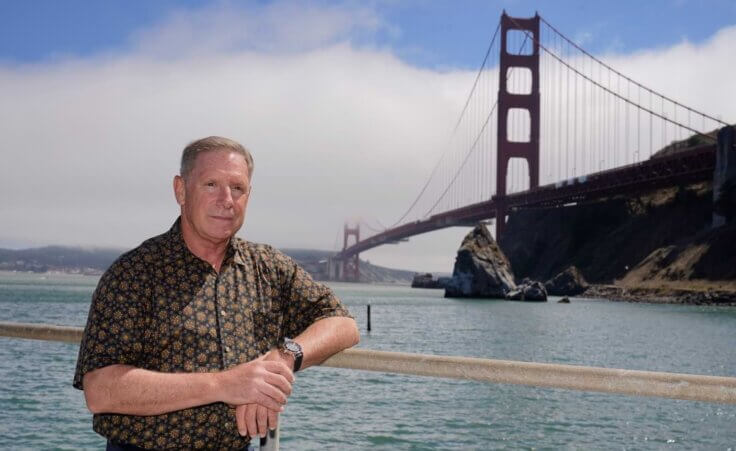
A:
(694, 387)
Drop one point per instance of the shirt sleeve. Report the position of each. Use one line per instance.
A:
(116, 321)
(306, 301)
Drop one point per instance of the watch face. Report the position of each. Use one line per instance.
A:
(292, 347)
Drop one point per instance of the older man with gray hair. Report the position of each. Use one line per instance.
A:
(193, 337)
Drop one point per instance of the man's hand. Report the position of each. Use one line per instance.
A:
(261, 381)
(255, 420)
(320, 340)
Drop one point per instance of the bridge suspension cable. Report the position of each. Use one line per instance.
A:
(474, 145)
(370, 227)
(622, 97)
(457, 125)
(596, 118)
(465, 160)
(627, 78)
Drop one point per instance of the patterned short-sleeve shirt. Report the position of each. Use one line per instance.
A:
(161, 308)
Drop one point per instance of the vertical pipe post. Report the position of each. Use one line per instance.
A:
(369, 317)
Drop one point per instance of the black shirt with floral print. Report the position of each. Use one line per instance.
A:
(161, 308)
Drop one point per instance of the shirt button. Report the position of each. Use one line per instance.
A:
(227, 348)
(224, 313)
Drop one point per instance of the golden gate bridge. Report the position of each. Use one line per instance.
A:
(550, 125)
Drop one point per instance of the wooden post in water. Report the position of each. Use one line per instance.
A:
(369, 317)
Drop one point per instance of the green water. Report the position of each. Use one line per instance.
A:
(345, 409)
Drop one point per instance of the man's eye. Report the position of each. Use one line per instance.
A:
(210, 184)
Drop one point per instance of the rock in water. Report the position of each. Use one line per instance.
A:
(428, 281)
(481, 268)
(569, 282)
(423, 281)
(528, 291)
(535, 292)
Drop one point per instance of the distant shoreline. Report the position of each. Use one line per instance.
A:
(55, 272)
(92, 272)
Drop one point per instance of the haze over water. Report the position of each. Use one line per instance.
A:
(345, 409)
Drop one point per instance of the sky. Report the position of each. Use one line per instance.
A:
(344, 104)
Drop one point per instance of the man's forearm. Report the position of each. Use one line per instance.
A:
(326, 337)
(134, 391)
(129, 390)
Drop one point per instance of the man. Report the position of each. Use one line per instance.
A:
(192, 338)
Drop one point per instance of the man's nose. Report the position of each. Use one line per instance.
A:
(226, 197)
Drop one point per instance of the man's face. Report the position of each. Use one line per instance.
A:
(214, 196)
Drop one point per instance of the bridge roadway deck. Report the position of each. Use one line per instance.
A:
(687, 166)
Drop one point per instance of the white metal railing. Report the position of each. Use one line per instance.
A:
(692, 387)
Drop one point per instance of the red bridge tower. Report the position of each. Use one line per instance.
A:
(527, 150)
(351, 265)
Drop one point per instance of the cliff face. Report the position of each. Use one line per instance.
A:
(665, 235)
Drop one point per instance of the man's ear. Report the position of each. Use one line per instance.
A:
(179, 189)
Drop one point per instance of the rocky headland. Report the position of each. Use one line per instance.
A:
(657, 247)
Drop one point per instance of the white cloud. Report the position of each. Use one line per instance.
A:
(90, 145)
(272, 27)
(699, 76)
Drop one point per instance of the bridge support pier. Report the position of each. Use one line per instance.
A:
(334, 269)
(501, 212)
(724, 177)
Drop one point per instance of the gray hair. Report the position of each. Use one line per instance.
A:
(211, 144)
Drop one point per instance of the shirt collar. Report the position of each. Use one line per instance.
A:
(234, 249)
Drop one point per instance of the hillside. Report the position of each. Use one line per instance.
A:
(661, 241)
(59, 258)
(94, 261)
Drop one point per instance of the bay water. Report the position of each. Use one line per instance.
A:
(348, 409)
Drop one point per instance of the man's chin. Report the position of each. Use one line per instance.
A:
(224, 233)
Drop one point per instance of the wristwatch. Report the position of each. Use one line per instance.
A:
(293, 348)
